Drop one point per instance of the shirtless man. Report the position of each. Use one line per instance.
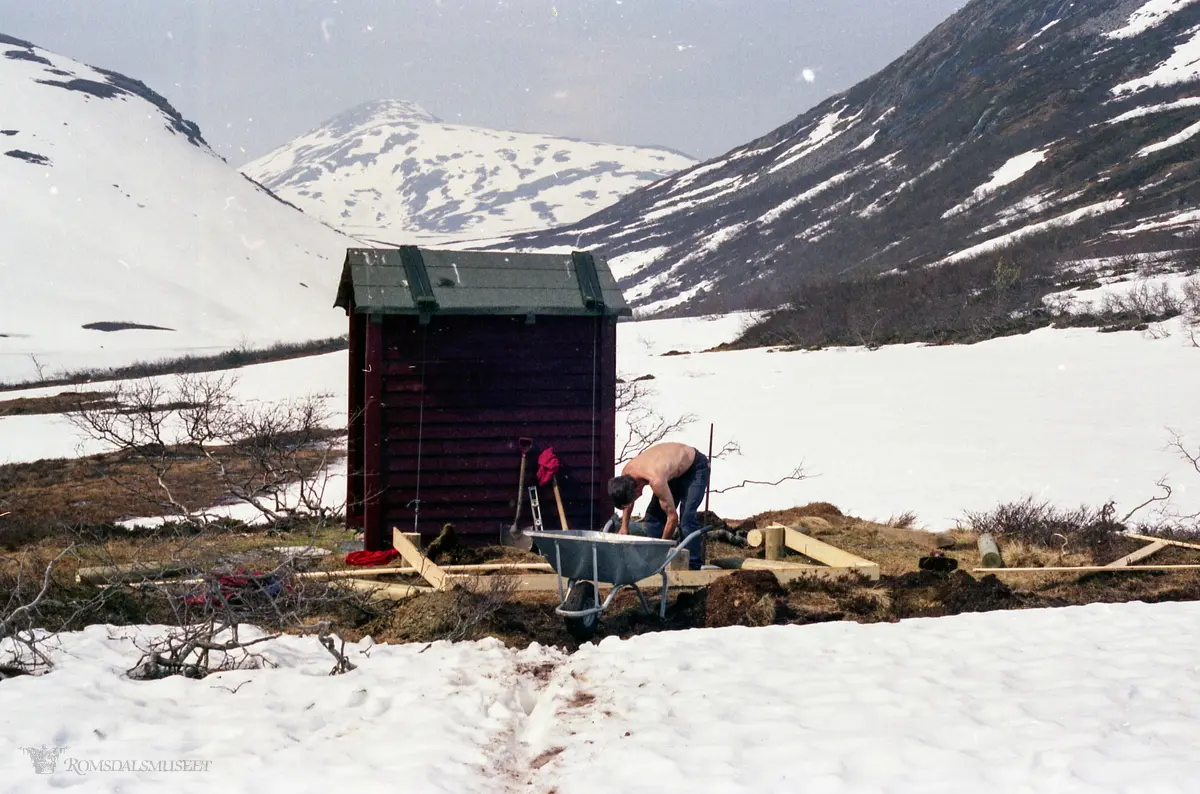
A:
(678, 477)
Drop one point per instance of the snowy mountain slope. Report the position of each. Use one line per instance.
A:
(1012, 119)
(114, 211)
(390, 170)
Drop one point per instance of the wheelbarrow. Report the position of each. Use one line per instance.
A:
(586, 559)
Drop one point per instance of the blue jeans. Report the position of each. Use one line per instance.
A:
(688, 492)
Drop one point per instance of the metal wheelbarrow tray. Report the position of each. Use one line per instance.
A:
(587, 559)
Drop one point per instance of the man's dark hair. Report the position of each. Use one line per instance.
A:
(622, 490)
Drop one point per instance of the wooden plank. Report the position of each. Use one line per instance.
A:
(407, 570)
(425, 568)
(380, 591)
(822, 551)
(1140, 554)
(676, 578)
(1090, 569)
(1181, 544)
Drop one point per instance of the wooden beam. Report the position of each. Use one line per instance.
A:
(827, 554)
(1089, 569)
(425, 568)
(379, 591)
(1167, 541)
(105, 574)
(752, 564)
(1140, 554)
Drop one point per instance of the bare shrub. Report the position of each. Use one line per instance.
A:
(476, 603)
(273, 457)
(906, 520)
(1042, 525)
(25, 586)
(220, 620)
(644, 425)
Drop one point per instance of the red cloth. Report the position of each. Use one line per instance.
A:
(548, 466)
(363, 558)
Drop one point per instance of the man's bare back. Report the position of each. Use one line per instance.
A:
(661, 462)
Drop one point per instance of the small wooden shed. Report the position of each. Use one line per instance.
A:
(457, 355)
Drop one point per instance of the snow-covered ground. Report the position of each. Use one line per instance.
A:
(1085, 700)
(1072, 416)
(113, 210)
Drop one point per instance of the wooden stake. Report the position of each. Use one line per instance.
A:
(773, 537)
(104, 574)
(989, 552)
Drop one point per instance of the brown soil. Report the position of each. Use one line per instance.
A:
(744, 598)
(61, 403)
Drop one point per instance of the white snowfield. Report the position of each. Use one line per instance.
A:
(389, 170)
(112, 215)
(1071, 416)
(1153, 13)
(1097, 699)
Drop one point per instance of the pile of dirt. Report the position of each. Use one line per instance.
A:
(744, 598)
(823, 510)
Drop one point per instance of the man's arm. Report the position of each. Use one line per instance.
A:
(625, 516)
(667, 503)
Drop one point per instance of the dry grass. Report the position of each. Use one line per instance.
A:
(104, 489)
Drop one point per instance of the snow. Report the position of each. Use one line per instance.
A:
(824, 132)
(936, 430)
(1153, 13)
(1181, 67)
(1174, 140)
(132, 223)
(630, 264)
(1011, 171)
(868, 143)
(1186, 102)
(386, 171)
(1062, 220)
(1187, 218)
(1038, 35)
(29, 438)
(1095, 699)
(1079, 301)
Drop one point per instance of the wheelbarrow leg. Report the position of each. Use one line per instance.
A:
(662, 597)
(642, 598)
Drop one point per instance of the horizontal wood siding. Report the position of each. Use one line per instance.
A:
(485, 383)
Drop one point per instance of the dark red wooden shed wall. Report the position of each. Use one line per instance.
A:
(456, 395)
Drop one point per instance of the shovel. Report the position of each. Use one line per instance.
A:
(514, 537)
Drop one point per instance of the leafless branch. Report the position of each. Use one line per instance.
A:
(797, 474)
(1162, 484)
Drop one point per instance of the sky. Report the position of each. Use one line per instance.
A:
(697, 76)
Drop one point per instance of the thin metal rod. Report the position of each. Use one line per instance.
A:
(708, 486)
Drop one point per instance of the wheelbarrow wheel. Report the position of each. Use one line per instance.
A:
(582, 595)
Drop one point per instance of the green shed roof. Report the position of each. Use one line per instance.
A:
(412, 280)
